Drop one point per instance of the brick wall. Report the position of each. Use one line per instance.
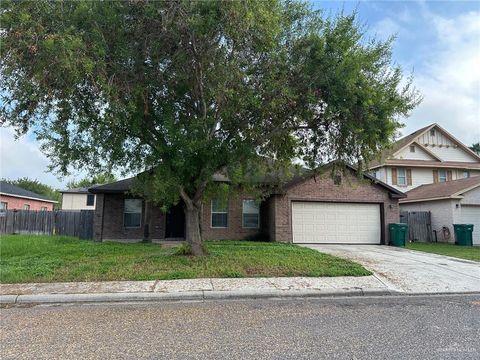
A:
(322, 188)
(18, 203)
(234, 230)
(109, 212)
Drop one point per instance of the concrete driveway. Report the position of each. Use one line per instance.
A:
(411, 271)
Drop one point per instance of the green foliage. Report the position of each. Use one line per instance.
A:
(462, 252)
(476, 148)
(183, 90)
(97, 179)
(30, 258)
(183, 250)
(38, 188)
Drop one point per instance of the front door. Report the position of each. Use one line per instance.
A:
(175, 222)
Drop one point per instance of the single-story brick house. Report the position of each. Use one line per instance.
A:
(13, 197)
(313, 208)
(450, 202)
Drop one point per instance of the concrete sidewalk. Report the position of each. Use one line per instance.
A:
(191, 289)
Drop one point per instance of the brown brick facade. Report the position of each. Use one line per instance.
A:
(234, 230)
(275, 212)
(108, 221)
(322, 188)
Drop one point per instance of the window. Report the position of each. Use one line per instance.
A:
(375, 174)
(466, 174)
(219, 213)
(26, 207)
(432, 132)
(250, 214)
(3, 205)
(412, 148)
(442, 175)
(43, 208)
(90, 199)
(132, 215)
(402, 177)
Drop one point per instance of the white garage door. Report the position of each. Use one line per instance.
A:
(336, 223)
(471, 215)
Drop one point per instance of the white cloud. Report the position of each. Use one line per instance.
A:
(23, 158)
(450, 77)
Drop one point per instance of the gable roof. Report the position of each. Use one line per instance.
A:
(411, 139)
(16, 191)
(80, 190)
(120, 186)
(445, 190)
(125, 185)
(394, 193)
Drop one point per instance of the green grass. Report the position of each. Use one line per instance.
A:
(462, 252)
(30, 258)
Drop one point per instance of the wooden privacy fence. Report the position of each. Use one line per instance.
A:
(63, 222)
(419, 225)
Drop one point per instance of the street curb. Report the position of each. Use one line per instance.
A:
(199, 295)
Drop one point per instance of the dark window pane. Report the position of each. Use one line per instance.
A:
(132, 219)
(219, 220)
(90, 199)
(250, 220)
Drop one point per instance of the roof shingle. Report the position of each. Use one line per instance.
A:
(443, 190)
(13, 190)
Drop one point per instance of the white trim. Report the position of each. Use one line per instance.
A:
(217, 212)
(28, 197)
(431, 199)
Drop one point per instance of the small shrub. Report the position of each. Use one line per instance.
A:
(184, 250)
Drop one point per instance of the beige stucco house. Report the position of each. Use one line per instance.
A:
(451, 202)
(429, 155)
(78, 199)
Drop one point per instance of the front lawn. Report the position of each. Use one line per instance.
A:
(462, 252)
(30, 258)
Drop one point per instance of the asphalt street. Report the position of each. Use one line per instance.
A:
(394, 327)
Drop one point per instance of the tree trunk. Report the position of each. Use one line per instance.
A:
(192, 229)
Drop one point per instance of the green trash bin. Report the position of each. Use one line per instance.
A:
(398, 234)
(463, 234)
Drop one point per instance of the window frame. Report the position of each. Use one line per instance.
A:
(90, 196)
(466, 172)
(250, 213)
(440, 177)
(405, 183)
(5, 207)
(43, 208)
(26, 207)
(432, 132)
(412, 148)
(218, 212)
(130, 212)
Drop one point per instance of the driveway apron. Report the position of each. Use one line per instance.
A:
(411, 271)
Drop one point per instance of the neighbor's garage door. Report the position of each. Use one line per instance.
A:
(471, 215)
(336, 223)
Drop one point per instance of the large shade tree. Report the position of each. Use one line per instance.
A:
(180, 90)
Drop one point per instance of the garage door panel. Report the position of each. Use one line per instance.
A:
(471, 215)
(341, 223)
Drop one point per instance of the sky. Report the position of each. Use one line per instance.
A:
(437, 41)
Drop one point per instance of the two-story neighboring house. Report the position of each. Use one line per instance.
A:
(429, 155)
